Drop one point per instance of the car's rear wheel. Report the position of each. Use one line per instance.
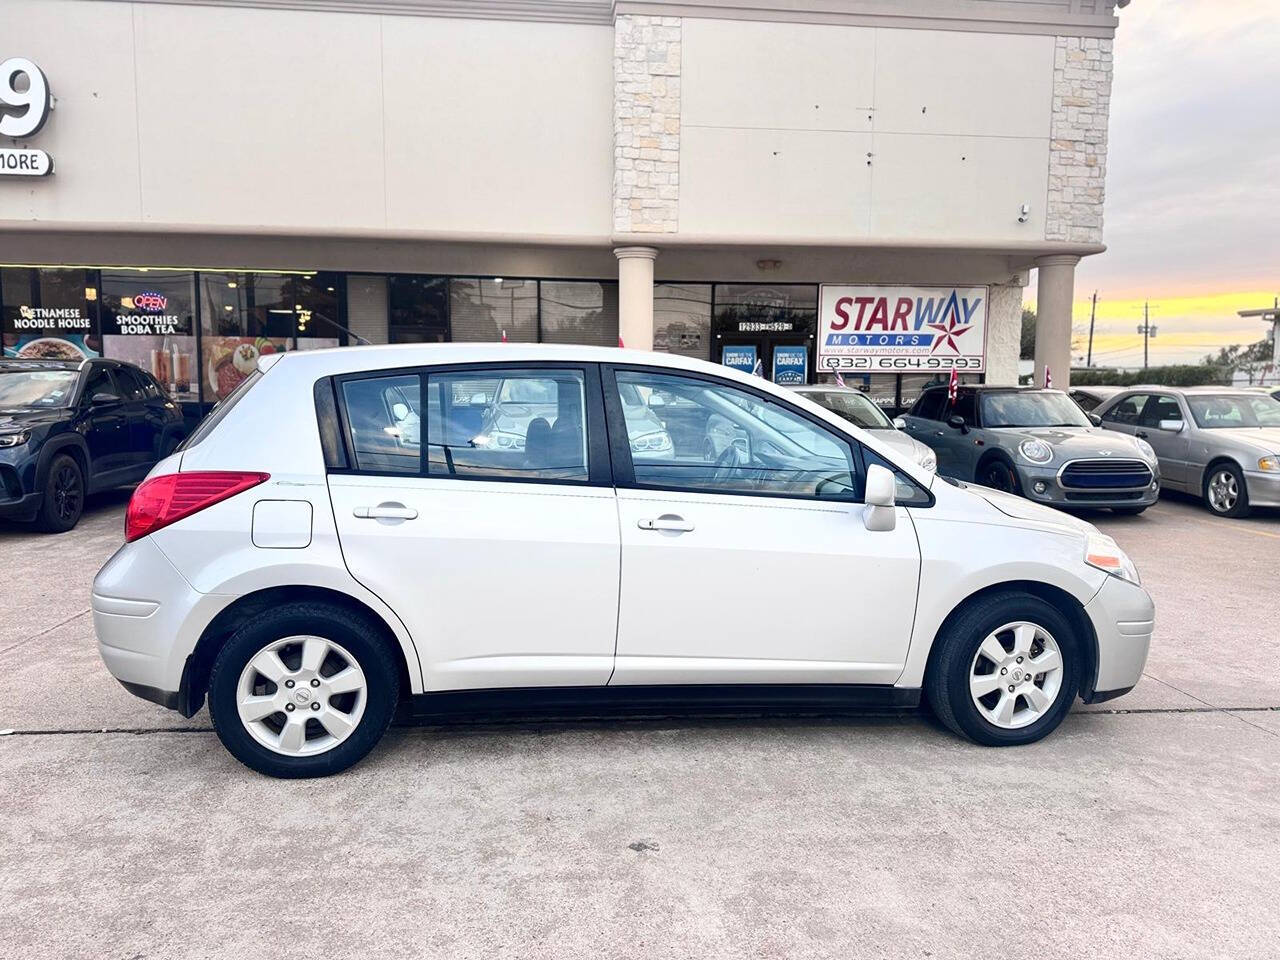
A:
(1225, 492)
(304, 690)
(1005, 670)
(63, 495)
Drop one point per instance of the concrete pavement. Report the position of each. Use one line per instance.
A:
(1148, 826)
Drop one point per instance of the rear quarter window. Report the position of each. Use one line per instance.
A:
(220, 410)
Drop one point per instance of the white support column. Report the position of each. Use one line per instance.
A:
(635, 296)
(1055, 291)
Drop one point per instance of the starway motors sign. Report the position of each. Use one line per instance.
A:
(902, 329)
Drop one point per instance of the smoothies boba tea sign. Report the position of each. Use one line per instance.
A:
(901, 329)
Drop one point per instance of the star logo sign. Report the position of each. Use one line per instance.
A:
(947, 332)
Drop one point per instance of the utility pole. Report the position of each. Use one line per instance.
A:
(1147, 330)
(1093, 313)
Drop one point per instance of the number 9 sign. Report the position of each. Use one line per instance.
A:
(35, 98)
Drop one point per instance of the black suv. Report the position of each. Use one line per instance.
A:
(71, 428)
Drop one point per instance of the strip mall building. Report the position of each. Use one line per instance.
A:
(798, 186)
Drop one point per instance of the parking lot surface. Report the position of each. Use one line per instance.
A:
(1148, 826)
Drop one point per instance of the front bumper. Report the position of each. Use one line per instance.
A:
(1123, 617)
(20, 508)
(1043, 485)
(1263, 488)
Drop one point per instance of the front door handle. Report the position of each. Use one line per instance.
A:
(668, 521)
(385, 511)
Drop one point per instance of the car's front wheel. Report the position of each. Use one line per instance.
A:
(1224, 491)
(303, 690)
(63, 501)
(1005, 670)
(999, 474)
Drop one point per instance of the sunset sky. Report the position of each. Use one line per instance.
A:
(1193, 181)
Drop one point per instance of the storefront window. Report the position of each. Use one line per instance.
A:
(580, 312)
(745, 308)
(418, 309)
(49, 313)
(682, 319)
(148, 319)
(242, 317)
(317, 303)
(489, 310)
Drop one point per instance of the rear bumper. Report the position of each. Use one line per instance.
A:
(1123, 618)
(145, 641)
(1263, 488)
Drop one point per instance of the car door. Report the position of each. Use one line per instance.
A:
(492, 534)
(927, 423)
(755, 566)
(1171, 446)
(106, 426)
(143, 431)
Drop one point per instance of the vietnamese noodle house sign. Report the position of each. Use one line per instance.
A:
(901, 329)
(25, 103)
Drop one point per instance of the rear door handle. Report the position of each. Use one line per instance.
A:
(668, 521)
(385, 511)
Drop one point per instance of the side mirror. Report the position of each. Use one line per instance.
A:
(899, 423)
(400, 410)
(742, 443)
(1173, 426)
(956, 422)
(1094, 419)
(879, 513)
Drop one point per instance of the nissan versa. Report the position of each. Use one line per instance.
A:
(348, 534)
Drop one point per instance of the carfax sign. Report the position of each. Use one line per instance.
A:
(900, 329)
(790, 365)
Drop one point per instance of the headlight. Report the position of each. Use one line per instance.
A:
(1271, 463)
(499, 440)
(1104, 553)
(1146, 449)
(1035, 451)
(928, 460)
(14, 439)
(651, 443)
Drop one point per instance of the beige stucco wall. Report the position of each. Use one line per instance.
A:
(268, 118)
(818, 130)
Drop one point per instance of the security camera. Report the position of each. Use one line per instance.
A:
(1024, 213)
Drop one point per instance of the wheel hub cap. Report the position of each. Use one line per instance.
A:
(1016, 674)
(301, 695)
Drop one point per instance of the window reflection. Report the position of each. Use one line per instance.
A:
(580, 312)
(486, 310)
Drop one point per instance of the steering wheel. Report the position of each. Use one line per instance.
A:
(726, 463)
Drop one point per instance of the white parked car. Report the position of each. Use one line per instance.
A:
(333, 544)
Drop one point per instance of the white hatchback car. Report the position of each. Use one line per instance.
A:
(364, 530)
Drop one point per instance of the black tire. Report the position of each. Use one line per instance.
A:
(946, 684)
(999, 474)
(1240, 506)
(1128, 511)
(63, 502)
(366, 642)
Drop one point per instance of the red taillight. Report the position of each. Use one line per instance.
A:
(161, 501)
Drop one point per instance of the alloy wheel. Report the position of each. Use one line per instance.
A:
(1224, 492)
(1016, 674)
(67, 493)
(301, 696)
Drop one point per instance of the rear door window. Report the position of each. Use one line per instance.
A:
(929, 406)
(384, 418)
(1159, 408)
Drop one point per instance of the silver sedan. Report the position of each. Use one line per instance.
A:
(1220, 444)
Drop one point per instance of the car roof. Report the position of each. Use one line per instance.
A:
(1190, 391)
(21, 363)
(993, 388)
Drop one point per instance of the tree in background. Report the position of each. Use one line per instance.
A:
(1251, 358)
(1028, 349)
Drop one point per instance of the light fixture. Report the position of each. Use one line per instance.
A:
(228, 308)
(768, 264)
(232, 284)
(497, 279)
(91, 293)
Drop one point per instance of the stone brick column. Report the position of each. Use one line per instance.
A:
(646, 124)
(1055, 292)
(635, 296)
(1078, 139)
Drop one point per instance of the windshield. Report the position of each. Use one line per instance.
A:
(1218, 412)
(1031, 409)
(854, 407)
(36, 388)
